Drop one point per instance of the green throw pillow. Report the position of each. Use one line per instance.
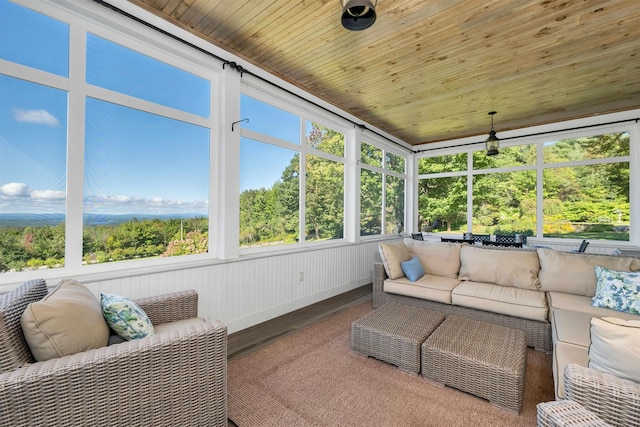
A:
(125, 317)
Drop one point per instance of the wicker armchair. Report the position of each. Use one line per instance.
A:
(176, 378)
(593, 399)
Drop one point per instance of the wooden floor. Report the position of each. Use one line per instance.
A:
(251, 339)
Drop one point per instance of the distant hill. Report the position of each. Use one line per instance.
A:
(40, 220)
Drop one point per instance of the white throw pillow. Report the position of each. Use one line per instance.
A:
(615, 346)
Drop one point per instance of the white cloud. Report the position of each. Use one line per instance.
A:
(15, 189)
(19, 197)
(48, 194)
(40, 117)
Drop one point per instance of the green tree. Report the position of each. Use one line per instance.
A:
(370, 202)
(324, 195)
(444, 200)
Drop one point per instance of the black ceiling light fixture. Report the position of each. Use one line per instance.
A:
(358, 15)
(493, 142)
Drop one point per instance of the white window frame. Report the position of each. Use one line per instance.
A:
(369, 138)
(539, 140)
(305, 112)
(88, 17)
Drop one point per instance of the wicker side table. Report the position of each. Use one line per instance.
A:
(394, 333)
(483, 359)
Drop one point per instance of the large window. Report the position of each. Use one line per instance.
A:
(583, 184)
(33, 148)
(146, 175)
(146, 185)
(442, 199)
(586, 185)
(33, 142)
(382, 191)
(290, 192)
(146, 146)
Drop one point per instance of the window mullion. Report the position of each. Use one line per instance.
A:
(75, 147)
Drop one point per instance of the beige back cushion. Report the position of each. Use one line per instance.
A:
(615, 346)
(437, 258)
(67, 321)
(392, 255)
(515, 268)
(574, 273)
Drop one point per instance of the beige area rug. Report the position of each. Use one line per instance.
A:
(311, 378)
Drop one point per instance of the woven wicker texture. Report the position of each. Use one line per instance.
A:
(394, 333)
(485, 360)
(178, 378)
(538, 333)
(14, 351)
(566, 413)
(613, 399)
(170, 307)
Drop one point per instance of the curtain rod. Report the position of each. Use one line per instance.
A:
(537, 134)
(241, 69)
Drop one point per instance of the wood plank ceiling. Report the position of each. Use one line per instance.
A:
(430, 70)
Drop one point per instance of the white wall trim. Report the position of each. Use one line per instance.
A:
(252, 319)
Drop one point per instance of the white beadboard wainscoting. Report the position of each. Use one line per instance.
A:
(247, 291)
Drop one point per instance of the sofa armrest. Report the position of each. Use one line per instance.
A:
(614, 400)
(177, 378)
(561, 413)
(379, 276)
(170, 307)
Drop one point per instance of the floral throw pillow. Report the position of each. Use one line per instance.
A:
(125, 317)
(617, 290)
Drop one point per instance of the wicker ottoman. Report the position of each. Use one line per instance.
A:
(394, 333)
(483, 359)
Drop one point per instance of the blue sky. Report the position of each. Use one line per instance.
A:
(261, 165)
(135, 162)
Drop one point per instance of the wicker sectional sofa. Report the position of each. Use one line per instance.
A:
(544, 292)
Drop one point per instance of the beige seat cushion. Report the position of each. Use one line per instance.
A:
(503, 267)
(564, 301)
(433, 288)
(571, 327)
(163, 327)
(563, 354)
(437, 258)
(392, 254)
(615, 346)
(178, 324)
(570, 333)
(67, 321)
(575, 273)
(511, 301)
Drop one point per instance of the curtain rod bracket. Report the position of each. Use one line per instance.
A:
(235, 123)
